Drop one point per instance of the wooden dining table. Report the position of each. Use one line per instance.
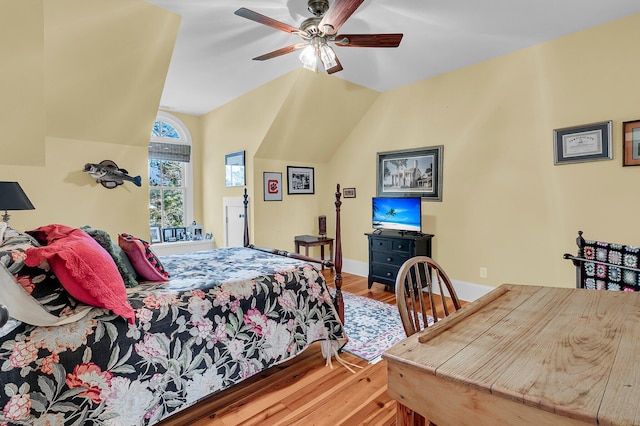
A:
(524, 355)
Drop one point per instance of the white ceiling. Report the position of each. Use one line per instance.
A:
(211, 63)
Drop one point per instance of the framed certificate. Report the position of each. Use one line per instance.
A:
(589, 142)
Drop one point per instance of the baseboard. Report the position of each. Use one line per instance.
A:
(466, 291)
(470, 291)
(355, 267)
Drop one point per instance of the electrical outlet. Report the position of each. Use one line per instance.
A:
(483, 272)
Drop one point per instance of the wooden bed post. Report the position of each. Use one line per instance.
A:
(578, 260)
(336, 262)
(580, 243)
(246, 218)
(338, 301)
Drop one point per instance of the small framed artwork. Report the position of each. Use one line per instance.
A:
(181, 234)
(300, 180)
(169, 235)
(349, 192)
(195, 231)
(631, 143)
(589, 142)
(155, 234)
(272, 182)
(411, 173)
(234, 169)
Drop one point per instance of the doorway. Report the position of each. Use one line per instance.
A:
(233, 221)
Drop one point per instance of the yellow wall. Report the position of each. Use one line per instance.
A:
(506, 206)
(81, 83)
(299, 119)
(62, 193)
(22, 112)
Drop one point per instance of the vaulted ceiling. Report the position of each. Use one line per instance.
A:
(211, 63)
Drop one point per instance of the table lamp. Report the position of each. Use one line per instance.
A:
(12, 197)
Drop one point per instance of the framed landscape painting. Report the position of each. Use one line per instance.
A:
(410, 173)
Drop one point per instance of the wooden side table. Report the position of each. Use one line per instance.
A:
(307, 241)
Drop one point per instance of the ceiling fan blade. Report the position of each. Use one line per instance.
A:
(338, 14)
(336, 68)
(265, 20)
(368, 40)
(280, 52)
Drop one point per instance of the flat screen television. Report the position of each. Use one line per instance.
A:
(400, 214)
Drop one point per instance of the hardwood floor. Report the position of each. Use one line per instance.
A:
(304, 391)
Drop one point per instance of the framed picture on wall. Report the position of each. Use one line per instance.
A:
(349, 192)
(234, 169)
(411, 173)
(589, 142)
(272, 183)
(300, 180)
(631, 143)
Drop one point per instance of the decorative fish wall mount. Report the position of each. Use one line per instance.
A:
(109, 174)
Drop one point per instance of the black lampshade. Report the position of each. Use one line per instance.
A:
(12, 197)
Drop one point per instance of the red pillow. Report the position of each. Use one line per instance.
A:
(144, 261)
(83, 267)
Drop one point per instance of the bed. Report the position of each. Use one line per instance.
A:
(603, 265)
(224, 316)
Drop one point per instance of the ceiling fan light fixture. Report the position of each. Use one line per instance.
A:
(319, 30)
(327, 56)
(309, 58)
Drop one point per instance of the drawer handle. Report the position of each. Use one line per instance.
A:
(389, 274)
(389, 259)
(400, 246)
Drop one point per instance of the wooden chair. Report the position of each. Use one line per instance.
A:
(419, 278)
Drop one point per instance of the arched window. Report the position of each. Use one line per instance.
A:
(170, 173)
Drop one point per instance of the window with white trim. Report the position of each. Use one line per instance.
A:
(170, 173)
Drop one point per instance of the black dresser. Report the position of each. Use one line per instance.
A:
(390, 249)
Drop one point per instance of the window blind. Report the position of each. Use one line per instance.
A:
(170, 151)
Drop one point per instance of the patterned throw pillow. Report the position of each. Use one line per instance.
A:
(145, 262)
(33, 294)
(104, 239)
(83, 267)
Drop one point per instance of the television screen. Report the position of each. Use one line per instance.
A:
(402, 214)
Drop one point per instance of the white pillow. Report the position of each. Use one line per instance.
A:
(27, 309)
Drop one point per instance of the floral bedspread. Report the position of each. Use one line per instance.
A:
(226, 315)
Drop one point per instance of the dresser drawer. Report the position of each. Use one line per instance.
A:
(384, 244)
(402, 245)
(390, 258)
(384, 272)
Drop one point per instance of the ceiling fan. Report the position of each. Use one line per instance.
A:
(320, 30)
